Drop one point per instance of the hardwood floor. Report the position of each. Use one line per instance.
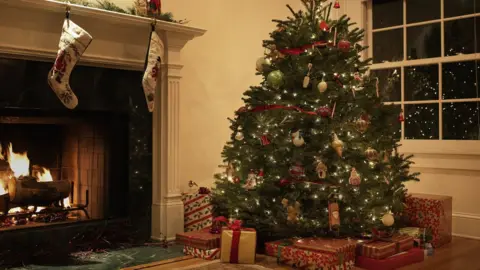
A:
(461, 254)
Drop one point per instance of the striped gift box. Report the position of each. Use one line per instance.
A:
(202, 239)
(381, 249)
(197, 211)
(206, 254)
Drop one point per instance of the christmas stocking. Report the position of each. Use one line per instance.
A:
(73, 43)
(152, 69)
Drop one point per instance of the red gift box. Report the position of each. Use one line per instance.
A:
(314, 253)
(414, 255)
(197, 211)
(433, 212)
(200, 239)
(383, 248)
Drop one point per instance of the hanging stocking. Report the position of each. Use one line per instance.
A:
(73, 43)
(152, 68)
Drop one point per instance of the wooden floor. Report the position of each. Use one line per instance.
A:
(461, 254)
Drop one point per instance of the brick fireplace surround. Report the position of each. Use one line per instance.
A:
(30, 30)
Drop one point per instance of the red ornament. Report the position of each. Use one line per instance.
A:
(265, 140)
(297, 170)
(155, 5)
(284, 182)
(261, 173)
(324, 111)
(324, 26)
(344, 45)
(236, 180)
(337, 4)
(401, 118)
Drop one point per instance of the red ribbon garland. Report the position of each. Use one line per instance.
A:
(274, 107)
(298, 51)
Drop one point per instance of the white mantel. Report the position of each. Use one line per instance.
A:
(30, 29)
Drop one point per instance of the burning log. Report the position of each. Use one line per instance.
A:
(27, 191)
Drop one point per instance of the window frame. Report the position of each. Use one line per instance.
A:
(367, 20)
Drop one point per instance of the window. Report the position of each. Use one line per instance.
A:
(426, 55)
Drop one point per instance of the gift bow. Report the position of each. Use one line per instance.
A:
(235, 225)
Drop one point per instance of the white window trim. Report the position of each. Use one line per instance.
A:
(440, 146)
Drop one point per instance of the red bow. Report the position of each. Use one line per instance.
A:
(236, 225)
(220, 219)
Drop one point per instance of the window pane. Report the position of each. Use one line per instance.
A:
(459, 36)
(397, 125)
(422, 10)
(423, 41)
(421, 83)
(454, 8)
(421, 121)
(459, 80)
(387, 13)
(461, 121)
(389, 83)
(388, 46)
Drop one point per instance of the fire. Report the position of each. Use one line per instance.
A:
(3, 190)
(44, 176)
(66, 202)
(19, 162)
(16, 210)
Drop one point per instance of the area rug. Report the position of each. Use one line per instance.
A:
(225, 266)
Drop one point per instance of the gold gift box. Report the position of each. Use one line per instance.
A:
(246, 247)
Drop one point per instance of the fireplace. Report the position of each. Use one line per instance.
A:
(57, 169)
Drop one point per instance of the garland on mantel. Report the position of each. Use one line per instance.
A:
(138, 8)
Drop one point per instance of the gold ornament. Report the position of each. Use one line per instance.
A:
(371, 154)
(322, 86)
(337, 144)
(388, 219)
(261, 62)
(292, 210)
(306, 80)
(354, 179)
(361, 125)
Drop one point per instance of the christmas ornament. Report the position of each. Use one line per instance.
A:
(322, 86)
(273, 53)
(242, 110)
(264, 139)
(153, 63)
(354, 179)
(292, 210)
(260, 176)
(73, 42)
(306, 80)
(284, 182)
(371, 154)
(155, 6)
(333, 111)
(324, 111)
(239, 136)
(275, 79)
(297, 138)
(297, 170)
(230, 171)
(261, 62)
(333, 215)
(251, 181)
(236, 180)
(388, 219)
(337, 144)
(321, 170)
(401, 118)
(324, 26)
(386, 180)
(344, 45)
(361, 125)
(336, 5)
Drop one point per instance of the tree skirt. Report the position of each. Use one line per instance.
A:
(225, 266)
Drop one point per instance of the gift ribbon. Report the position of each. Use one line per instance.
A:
(236, 227)
(281, 246)
(300, 50)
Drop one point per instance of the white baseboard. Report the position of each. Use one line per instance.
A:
(466, 225)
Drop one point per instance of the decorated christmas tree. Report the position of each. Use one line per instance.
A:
(313, 150)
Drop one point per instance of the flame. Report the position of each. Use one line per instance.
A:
(66, 202)
(19, 162)
(44, 176)
(3, 190)
(16, 210)
(39, 209)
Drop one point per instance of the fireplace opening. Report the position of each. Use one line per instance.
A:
(57, 169)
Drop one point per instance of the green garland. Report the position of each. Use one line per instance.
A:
(110, 6)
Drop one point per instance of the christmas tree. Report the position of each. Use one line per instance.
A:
(313, 150)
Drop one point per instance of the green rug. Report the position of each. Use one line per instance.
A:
(108, 260)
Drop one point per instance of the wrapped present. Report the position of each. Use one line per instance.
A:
(314, 253)
(421, 236)
(385, 247)
(197, 211)
(238, 244)
(433, 212)
(206, 254)
(202, 239)
(414, 255)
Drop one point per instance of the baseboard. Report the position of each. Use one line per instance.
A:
(466, 225)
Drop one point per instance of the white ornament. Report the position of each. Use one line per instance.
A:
(322, 86)
(251, 180)
(261, 62)
(239, 136)
(321, 170)
(306, 80)
(388, 219)
(297, 139)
